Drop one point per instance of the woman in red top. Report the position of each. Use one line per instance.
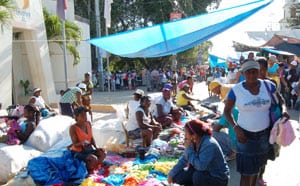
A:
(83, 144)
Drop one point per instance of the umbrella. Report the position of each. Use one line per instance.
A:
(176, 36)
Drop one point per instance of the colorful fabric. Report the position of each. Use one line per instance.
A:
(133, 171)
(56, 170)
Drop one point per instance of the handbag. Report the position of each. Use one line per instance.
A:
(275, 108)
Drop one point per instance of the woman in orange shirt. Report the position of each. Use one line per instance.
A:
(83, 144)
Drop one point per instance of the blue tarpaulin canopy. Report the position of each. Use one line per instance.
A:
(216, 61)
(173, 37)
(278, 52)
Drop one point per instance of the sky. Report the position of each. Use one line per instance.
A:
(264, 20)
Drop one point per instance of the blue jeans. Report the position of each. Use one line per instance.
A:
(193, 177)
(253, 154)
(66, 109)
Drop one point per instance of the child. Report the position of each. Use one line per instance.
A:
(12, 134)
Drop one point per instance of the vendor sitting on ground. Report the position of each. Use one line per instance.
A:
(163, 110)
(184, 99)
(189, 80)
(220, 89)
(32, 115)
(150, 128)
(38, 101)
(132, 126)
(83, 144)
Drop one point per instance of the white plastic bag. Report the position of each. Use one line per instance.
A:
(282, 132)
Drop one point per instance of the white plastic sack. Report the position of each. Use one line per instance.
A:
(49, 132)
(13, 158)
(58, 149)
(108, 132)
(154, 98)
(120, 112)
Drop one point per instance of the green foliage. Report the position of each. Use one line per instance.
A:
(25, 85)
(6, 12)
(54, 34)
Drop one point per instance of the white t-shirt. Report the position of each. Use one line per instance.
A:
(231, 76)
(146, 118)
(253, 109)
(166, 106)
(132, 123)
(39, 102)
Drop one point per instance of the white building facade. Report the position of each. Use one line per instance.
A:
(291, 11)
(25, 54)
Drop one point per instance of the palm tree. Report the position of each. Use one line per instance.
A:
(6, 12)
(54, 34)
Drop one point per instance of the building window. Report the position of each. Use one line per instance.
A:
(293, 12)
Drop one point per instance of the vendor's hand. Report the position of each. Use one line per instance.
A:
(240, 134)
(286, 115)
(158, 127)
(170, 179)
(85, 143)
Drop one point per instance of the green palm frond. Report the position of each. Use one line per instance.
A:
(72, 31)
(6, 12)
(71, 48)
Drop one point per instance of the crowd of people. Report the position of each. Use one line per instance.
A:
(245, 91)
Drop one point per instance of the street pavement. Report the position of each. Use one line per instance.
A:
(281, 172)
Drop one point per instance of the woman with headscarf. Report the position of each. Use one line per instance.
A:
(203, 161)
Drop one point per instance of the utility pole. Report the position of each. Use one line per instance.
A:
(98, 51)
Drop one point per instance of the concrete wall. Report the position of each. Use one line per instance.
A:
(6, 66)
(75, 74)
(24, 54)
(84, 48)
(34, 63)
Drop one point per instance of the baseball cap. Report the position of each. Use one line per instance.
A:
(250, 65)
(212, 85)
(139, 92)
(168, 87)
(81, 86)
(36, 90)
(79, 110)
(273, 58)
